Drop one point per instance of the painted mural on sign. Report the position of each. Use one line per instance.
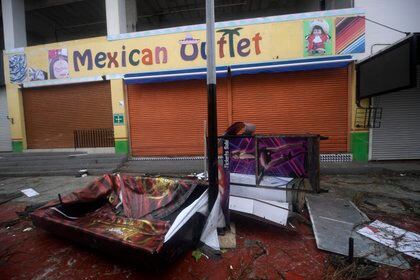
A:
(20, 72)
(34, 74)
(58, 64)
(318, 38)
(17, 68)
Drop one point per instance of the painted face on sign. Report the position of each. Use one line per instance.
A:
(60, 68)
(317, 31)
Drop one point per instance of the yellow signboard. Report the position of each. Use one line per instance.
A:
(259, 42)
(270, 39)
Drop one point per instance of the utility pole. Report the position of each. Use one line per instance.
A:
(211, 105)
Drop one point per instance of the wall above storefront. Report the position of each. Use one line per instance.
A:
(256, 40)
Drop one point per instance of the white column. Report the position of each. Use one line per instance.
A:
(116, 22)
(131, 15)
(14, 26)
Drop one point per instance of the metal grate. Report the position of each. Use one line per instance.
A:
(336, 157)
(94, 138)
(339, 157)
(368, 117)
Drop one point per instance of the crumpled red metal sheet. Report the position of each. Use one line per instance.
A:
(145, 201)
(153, 198)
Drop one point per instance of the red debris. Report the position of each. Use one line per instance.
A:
(263, 252)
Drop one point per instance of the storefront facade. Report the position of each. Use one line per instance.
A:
(286, 74)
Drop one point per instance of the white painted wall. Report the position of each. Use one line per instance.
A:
(116, 21)
(14, 25)
(403, 15)
(131, 15)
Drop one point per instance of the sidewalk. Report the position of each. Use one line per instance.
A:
(68, 164)
(359, 168)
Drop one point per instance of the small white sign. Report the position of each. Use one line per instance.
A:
(30, 192)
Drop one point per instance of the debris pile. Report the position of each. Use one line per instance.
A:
(150, 219)
(267, 178)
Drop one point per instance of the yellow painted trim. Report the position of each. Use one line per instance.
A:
(351, 100)
(230, 99)
(364, 103)
(16, 112)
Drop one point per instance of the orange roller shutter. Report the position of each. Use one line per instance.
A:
(53, 113)
(296, 102)
(167, 119)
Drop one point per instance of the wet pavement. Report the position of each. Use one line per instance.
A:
(263, 251)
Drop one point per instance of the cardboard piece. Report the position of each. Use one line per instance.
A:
(404, 241)
(273, 211)
(30, 192)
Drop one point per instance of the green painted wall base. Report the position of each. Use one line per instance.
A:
(360, 145)
(121, 146)
(17, 146)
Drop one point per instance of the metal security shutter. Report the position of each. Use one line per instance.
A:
(296, 102)
(399, 134)
(5, 141)
(167, 119)
(53, 113)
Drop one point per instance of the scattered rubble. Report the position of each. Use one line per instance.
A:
(30, 192)
(336, 221)
(399, 239)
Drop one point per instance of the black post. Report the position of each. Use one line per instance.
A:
(211, 105)
(212, 161)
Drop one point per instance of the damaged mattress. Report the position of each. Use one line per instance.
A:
(152, 220)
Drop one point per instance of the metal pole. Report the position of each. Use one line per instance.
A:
(211, 105)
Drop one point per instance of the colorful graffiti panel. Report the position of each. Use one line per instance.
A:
(277, 156)
(283, 156)
(350, 35)
(17, 68)
(242, 155)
